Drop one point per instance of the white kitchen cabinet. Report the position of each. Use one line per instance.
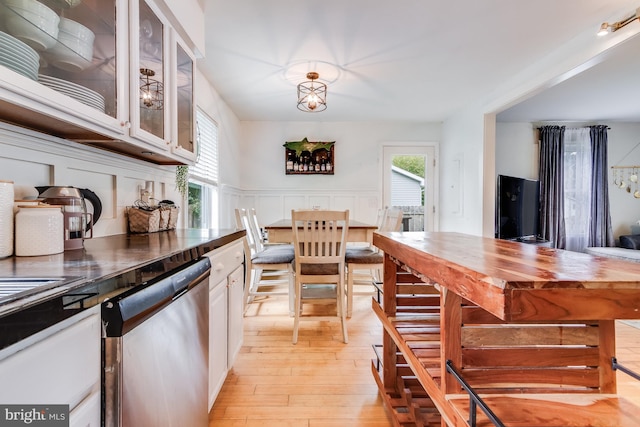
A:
(226, 290)
(87, 413)
(61, 365)
(236, 314)
(99, 102)
(149, 48)
(162, 73)
(217, 338)
(77, 94)
(185, 143)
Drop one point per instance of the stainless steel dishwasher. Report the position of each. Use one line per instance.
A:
(156, 351)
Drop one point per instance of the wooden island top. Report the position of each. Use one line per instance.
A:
(529, 328)
(520, 281)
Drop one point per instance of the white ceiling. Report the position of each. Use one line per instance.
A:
(608, 91)
(408, 60)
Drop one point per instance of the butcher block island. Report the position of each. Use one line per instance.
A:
(528, 331)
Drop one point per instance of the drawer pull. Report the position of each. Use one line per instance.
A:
(219, 266)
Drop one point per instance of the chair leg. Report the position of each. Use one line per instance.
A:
(375, 273)
(292, 292)
(297, 309)
(341, 310)
(255, 283)
(350, 273)
(247, 286)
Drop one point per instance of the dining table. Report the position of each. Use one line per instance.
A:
(359, 232)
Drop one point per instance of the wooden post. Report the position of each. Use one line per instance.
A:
(450, 338)
(389, 303)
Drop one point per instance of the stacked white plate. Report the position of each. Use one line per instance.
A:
(18, 56)
(75, 91)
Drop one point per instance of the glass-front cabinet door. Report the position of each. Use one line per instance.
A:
(150, 99)
(184, 76)
(71, 48)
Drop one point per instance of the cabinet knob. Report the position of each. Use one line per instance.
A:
(219, 266)
(126, 124)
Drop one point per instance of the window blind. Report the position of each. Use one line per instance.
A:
(206, 168)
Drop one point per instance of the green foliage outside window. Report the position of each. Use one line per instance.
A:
(413, 164)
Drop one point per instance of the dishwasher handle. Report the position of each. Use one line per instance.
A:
(128, 310)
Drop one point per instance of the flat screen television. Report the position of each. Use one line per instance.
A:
(517, 208)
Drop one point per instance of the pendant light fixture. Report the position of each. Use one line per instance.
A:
(312, 95)
(151, 90)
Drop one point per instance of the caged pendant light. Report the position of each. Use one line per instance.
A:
(151, 90)
(312, 95)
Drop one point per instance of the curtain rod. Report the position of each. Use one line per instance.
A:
(541, 126)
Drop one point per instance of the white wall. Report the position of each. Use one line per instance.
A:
(625, 209)
(517, 150)
(356, 184)
(230, 173)
(461, 171)
(31, 159)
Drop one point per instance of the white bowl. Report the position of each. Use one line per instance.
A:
(80, 47)
(61, 56)
(76, 30)
(32, 6)
(33, 23)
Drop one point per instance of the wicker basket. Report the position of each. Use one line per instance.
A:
(152, 220)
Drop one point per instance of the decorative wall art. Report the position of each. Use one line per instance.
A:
(309, 158)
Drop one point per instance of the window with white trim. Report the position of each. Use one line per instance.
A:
(203, 176)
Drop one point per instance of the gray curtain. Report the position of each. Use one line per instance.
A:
(600, 230)
(551, 178)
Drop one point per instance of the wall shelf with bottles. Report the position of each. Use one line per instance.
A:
(309, 158)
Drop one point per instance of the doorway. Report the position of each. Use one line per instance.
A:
(409, 184)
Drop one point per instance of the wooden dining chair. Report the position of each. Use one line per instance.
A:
(262, 260)
(319, 239)
(369, 257)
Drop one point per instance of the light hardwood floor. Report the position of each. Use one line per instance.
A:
(322, 382)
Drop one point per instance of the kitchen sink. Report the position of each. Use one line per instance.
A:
(12, 288)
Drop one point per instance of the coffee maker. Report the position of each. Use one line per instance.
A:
(78, 222)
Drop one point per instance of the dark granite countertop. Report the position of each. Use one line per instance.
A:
(105, 257)
(105, 267)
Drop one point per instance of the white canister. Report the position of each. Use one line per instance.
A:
(24, 202)
(39, 230)
(6, 218)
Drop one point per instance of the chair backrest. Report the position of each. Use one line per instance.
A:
(319, 236)
(380, 217)
(392, 220)
(253, 217)
(245, 222)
